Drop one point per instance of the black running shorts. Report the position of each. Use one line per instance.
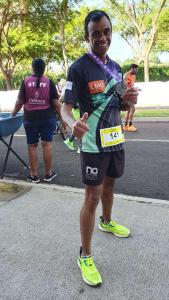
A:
(95, 166)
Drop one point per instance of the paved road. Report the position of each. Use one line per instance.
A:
(147, 162)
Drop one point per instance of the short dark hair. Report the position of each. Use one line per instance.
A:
(134, 66)
(94, 15)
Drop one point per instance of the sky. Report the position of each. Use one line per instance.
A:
(119, 49)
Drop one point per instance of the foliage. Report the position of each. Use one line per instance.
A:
(54, 31)
(137, 22)
(2, 83)
(19, 75)
(59, 13)
(157, 73)
(11, 16)
(74, 34)
(32, 29)
(163, 32)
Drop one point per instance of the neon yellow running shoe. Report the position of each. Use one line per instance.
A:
(69, 144)
(76, 113)
(90, 274)
(115, 228)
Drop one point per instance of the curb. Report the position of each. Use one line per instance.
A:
(158, 202)
(151, 119)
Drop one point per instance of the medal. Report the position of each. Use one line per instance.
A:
(120, 88)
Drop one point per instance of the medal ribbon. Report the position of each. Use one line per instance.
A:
(120, 86)
(113, 73)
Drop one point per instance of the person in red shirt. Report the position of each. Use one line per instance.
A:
(129, 80)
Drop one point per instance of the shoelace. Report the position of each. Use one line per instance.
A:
(89, 263)
(112, 223)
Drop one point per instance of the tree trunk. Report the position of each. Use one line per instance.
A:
(146, 67)
(8, 79)
(8, 82)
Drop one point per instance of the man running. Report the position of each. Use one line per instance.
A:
(129, 79)
(95, 83)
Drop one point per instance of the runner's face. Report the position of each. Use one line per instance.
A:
(99, 36)
(134, 71)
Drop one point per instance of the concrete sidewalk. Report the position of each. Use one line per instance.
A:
(40, 240)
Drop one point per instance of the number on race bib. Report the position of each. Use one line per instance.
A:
(114, 135)
(111, 136)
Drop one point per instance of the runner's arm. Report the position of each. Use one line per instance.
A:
(20, 99)
(79, 128)
(56, 106)
(66, 113)
(54, 96)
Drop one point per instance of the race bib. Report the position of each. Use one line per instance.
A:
(111, 136)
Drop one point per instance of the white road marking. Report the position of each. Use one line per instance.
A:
(143, 140)
(127, 140)
(20, 135)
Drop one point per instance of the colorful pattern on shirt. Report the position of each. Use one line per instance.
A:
(95, 92)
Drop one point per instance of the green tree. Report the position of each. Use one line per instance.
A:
(21, 39)
(11, 16)
(137, 22)
(59, 13)
(74, 34)
(163, 32)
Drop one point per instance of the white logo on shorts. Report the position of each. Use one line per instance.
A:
(91, 173)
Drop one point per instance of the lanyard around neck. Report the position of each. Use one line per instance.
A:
(112, 72)
(120, 86)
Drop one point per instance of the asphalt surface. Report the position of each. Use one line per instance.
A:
(147, 161)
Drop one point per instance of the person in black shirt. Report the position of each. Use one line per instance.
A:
(95, 83)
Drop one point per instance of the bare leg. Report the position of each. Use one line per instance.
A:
(107, 203)
(87, 216)
(127, 116)
(47, 156)
(33, 159)
(132, 110)
(107, 198)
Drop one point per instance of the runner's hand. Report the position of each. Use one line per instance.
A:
(79, 128)
(129, 98)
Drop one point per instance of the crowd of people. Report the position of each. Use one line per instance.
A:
(93, 97)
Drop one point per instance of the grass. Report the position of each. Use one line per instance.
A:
(11, 187)
(150, 113)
